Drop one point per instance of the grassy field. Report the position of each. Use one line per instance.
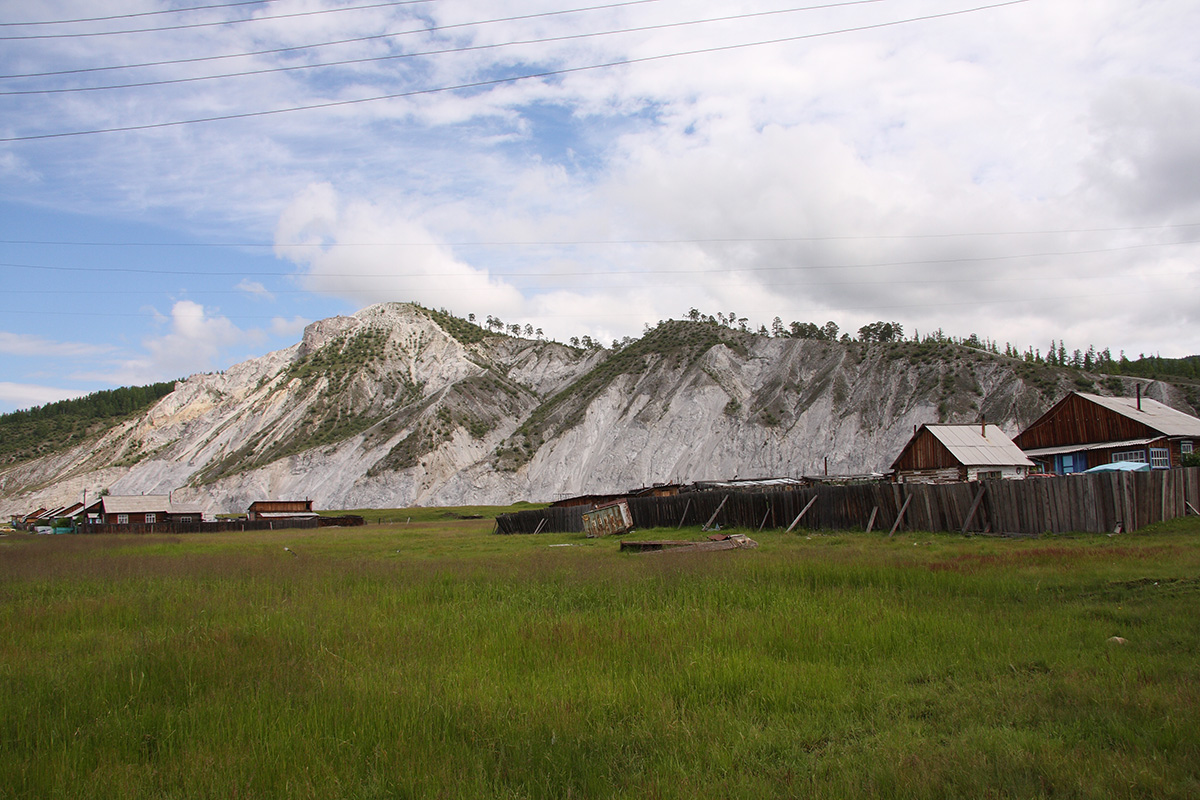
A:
(433, 659)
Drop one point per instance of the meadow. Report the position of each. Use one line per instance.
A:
(430, 658)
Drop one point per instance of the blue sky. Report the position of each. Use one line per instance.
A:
(1025, 172)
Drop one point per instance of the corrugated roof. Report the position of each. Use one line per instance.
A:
(136, 503)
(1153, 414)
(1075, 448)
(974, 447)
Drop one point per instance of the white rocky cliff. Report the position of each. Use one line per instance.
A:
(398, 406)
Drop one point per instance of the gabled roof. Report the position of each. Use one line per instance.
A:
(974, 445)
(136, 504)
(1153, 414)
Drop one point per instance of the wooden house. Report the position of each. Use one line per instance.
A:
(1087, 430)
(280, 509)
(950, 453)
(141, 509)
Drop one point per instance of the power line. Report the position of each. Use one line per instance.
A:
(445, 51)
(507, 80)
(578, 273)
(618, 242)
(135, 14)
(355, 40)
(187, 293)
(292, 15)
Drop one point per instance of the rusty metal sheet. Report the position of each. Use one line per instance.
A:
(608, 520)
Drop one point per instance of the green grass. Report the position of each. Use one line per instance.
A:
(432, 659)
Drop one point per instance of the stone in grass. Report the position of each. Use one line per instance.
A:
(1116, 640)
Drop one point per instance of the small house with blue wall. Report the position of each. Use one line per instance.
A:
(1087, 430)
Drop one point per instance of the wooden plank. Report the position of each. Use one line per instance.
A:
(871, 522)
(708, 524)
(899, 516)
(684, 516)
(974, 507)
(801, 514)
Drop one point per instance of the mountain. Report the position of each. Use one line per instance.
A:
(399, 405)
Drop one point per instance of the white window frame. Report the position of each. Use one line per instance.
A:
(151, 518)
(1185, 447)
(122, 519)
(1131, 455)
(1160, 458)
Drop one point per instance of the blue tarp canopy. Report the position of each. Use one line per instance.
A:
(1121, 466)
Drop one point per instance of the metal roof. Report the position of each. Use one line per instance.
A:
(974, 446)
(136, 504)
(1075, 448)
(1153, 414)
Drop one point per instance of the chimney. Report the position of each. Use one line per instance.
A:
(983, 426)
(1139, 397)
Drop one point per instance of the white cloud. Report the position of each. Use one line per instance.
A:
(24, 344)
(832, 159)
(255, 289)
(194, 342)
(25, 395)
(289, 327)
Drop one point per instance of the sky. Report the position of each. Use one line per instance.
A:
(185, 184)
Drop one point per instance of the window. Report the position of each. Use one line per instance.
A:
(185, 519)
(1185, 447)
(151, 519)
(1131, 455)
(122, 519)
(1160, 458)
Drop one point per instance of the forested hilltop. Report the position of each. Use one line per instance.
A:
(45, 429)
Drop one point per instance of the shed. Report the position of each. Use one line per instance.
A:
(281, 509)
(1087, 430)
(950, 453)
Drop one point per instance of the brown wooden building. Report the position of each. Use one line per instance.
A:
(1086, 430)
(140, 509)
(950, 453)
(280, 509)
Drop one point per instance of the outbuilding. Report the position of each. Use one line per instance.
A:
(951, 453)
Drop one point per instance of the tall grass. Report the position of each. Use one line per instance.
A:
(435, 660)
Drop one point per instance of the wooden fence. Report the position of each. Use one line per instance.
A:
(224, 525)
(1099, 503)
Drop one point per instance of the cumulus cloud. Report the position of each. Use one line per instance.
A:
(370, 253)
(194, 341)
(1009, 172)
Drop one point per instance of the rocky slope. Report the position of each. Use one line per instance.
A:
(398, 405)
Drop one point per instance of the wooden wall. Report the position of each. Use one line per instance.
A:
(1095, 503)
(1076, 420)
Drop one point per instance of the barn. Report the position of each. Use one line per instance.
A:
(951, 453)
(1087, 430)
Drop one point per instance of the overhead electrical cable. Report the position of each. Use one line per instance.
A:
(217, 24)
(135, 14)
(831, 310)
(444, 51)
(578, 273)
(507, 80)
(378, 36)
(594, 242)
(939, 281)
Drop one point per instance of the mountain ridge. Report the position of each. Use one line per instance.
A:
(398, 405)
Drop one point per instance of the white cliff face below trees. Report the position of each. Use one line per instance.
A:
(398, 406)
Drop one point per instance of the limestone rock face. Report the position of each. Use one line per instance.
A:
(397, 406)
